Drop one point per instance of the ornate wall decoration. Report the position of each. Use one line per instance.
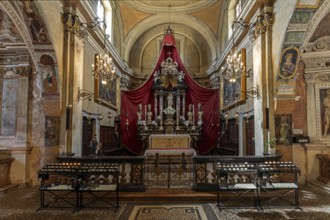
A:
(283, 131)
(289, 63)
(52, 128)
(34, 22)
(49, 74)
(295, 37)
(8, 31)
(321, 44)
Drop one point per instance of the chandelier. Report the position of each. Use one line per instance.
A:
(103, 68)
(234, 67)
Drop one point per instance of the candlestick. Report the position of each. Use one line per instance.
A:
(193, 113)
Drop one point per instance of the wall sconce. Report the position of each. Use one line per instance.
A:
(253, 92)
(110, 116)
(249, 73)
(78, 28)
(84, 94)
(247, 117)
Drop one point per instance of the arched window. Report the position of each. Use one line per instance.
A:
(108, 18)
(104, 13)
(234, 10)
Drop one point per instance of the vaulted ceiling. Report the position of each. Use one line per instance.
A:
(196, 24)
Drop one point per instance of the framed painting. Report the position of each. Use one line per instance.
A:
(107, 94)
(235, 92)
(289, 63)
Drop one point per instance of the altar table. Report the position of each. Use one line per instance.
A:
(169, 141)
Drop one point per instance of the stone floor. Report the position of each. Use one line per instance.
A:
(23, 203)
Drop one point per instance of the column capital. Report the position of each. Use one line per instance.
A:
(263, 23)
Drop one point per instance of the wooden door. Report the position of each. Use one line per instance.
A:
(249, 138)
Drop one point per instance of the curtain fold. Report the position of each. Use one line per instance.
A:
(209, 99)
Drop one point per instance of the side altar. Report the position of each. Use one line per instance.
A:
(166, 122)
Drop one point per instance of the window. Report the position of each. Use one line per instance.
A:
(104, 13)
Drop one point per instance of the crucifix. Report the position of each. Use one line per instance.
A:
(169, 53)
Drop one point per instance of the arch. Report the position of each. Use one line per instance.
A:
(144, 25)
(21, 27)
(314, 23)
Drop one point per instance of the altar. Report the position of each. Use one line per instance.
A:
(169, 141)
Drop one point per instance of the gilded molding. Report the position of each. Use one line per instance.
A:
(263, 24)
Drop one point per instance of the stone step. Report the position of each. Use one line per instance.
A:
(7, 188)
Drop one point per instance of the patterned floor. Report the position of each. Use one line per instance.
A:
(24, 203)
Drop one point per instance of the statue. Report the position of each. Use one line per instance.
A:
(149, 115)
(326, 104)
(200, 114)
(190, 114)
(93, 145)
(99, 149)
(170, 100)
(139, 113)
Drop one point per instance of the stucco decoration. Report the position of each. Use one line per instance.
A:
(20, 25)
(321, 44)
(313, 24)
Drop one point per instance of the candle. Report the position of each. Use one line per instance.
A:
(145, 112)
(193, 113)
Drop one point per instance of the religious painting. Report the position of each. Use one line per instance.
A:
(235, 92)
(107, 93)
(52, 128)
(325, 111)
(49, 78)
(283, 129)
(34, 22)
(9, 108)
(289, 63)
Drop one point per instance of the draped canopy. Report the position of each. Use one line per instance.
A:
(209, 98)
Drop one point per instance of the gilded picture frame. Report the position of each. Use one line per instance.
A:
(234, 93)
(288, 66)
(107, 94)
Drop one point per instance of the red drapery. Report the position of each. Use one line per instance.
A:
(209, 98)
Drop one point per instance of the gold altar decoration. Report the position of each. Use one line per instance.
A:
(169, 141)
(166, 123)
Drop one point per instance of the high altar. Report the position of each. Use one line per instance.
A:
(169, 109)
(171, 127)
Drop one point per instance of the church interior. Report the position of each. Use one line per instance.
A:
(184, 97)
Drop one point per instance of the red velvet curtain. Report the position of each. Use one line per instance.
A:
(209, 98)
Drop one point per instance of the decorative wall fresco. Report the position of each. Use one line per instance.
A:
(49, 75)
(9, 107)
(8, 31)
(52, 128)
(289, 63)
(34, 22)
(283, 125)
